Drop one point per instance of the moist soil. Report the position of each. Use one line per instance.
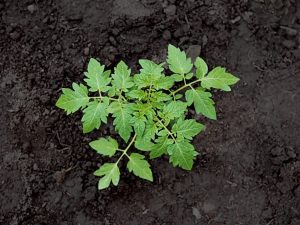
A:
(248, 170)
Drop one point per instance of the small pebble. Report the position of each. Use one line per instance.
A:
(204, 40)
(289, 44)
(276, 151)
(31, 8)
(235, 20)
(194, 51)
(35, 167)
(58, 47)
(170, 10)
(196, 213)
(112, 40)
(86, 51)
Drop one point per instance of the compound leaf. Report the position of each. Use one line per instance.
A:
(164, 83)
(174, 109)
(143, 145)
(178, 61)
(122, 114)
(150, 130)
(93, 114)
(187, 128)
(139, 124)
(149, 74)
(201, 67)
(121, 77)
(137, 94)
(182, 154)
(160, 147)
(218, 78)
(202, 102)
(110, 173)
(97, 79)
(139, 166)
(107, 147)
(159, 96)
(72, 100)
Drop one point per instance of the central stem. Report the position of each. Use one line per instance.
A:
(163, 125)
(185, 86)
(126, 149)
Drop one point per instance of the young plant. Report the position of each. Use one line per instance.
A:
(148, 110)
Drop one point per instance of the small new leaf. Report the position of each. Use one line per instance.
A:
(139, 166)
(202, 102)
(218, 78)
(178, 61)
(107, 147)
(110, 173)
(72, 100)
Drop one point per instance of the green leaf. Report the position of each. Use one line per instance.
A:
(178, 61)
(160, 147)
(189, 76)
(122, 114)
(201, 67)
(218, 78)
(72, 100)
(159, 96)
(164, 83)
(149, 74)
(93, 114)
(187, 128)
(97, 79)
(137, 94)
(107, 147)
(202, 102)
(150, 130)
(143, 144)
(182, 154)
(139, 124)
(139, 166)
(110, 173)
(177, 77)
(174, 109)
(121, 77)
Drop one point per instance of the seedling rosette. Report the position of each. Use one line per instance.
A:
(148, 112)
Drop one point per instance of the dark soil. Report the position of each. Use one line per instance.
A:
(248, 172)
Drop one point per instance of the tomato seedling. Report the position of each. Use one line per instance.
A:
(148, 110)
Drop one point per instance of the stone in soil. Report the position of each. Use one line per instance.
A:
(31, 8)
(170, 10)
(194, 51)
(289, 44)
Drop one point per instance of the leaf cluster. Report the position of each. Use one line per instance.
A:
(148, 110)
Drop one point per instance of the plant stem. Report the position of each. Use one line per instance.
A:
(169, 132)
(185, 86)
(126, 149)
(101, 97)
